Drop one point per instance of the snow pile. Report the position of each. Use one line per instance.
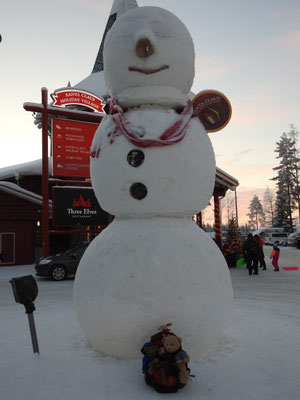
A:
(150, 272)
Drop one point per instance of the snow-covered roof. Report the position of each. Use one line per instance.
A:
(24, 169)
(15, 190)
(225, 179)
(94, 84)
(122, 6)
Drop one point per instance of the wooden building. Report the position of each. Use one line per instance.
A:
(20, 220)
(21, 212)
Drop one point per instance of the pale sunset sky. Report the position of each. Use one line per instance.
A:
(247, 50)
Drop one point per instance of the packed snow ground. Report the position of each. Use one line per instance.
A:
(258, 359)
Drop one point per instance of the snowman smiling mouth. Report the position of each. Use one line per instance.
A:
(148, 70)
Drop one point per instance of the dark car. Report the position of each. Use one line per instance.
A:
(61, 265)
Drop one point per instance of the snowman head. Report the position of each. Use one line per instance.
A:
(149, 59)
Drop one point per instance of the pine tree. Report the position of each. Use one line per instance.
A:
(256, 213)
(227, 205)
(287, 182)
(234, 243)
(269, 206)
(293, 134)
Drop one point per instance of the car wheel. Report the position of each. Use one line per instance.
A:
(58, 273)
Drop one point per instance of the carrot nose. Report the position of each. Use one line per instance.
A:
(144, 48)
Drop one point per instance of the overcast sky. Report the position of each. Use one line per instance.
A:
(247, 50)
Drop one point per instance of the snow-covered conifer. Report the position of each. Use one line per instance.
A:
(256, 213)
(269, 206)
(287, 181)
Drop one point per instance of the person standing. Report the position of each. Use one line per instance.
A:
(261, 257)
(251, 254)
(275, 257)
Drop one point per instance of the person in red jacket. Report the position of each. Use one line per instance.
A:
(261, 257)
(275, 256)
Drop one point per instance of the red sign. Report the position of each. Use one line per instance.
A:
(71, 147)
(213, 109)
(66, 97)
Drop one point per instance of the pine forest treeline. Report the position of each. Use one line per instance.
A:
(278, 210)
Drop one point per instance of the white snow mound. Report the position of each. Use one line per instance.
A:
(178, 275)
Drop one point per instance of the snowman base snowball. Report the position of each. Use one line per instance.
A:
(141, 272)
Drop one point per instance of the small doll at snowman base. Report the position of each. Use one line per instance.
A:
(165, 361)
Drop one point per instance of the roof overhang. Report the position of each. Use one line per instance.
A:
(15, 190)
(223, 179)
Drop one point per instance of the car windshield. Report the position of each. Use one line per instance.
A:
(76, 250)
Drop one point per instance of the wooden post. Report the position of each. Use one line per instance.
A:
(217, 213)
(45, 174)
(218, 193)
(236, 209)
(199, 219)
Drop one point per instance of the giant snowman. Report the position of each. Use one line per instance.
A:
(153, 167)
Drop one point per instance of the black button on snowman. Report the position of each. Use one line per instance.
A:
(135, 158)
(152, 264)
(138, 191)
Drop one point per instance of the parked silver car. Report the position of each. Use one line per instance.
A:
(293, 239)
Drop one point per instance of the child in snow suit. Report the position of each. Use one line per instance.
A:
(275, 256)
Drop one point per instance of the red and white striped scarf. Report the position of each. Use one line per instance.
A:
(174, 134)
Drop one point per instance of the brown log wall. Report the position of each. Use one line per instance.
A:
(19, 216)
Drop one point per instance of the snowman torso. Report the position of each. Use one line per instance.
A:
(177, 179)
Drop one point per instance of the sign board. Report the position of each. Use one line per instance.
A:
(213, 109)
(77, 206)
(67, 97)
(71, 143)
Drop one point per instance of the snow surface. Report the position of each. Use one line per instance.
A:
(259, 357)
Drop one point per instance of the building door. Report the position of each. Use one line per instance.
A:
(7, 248)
